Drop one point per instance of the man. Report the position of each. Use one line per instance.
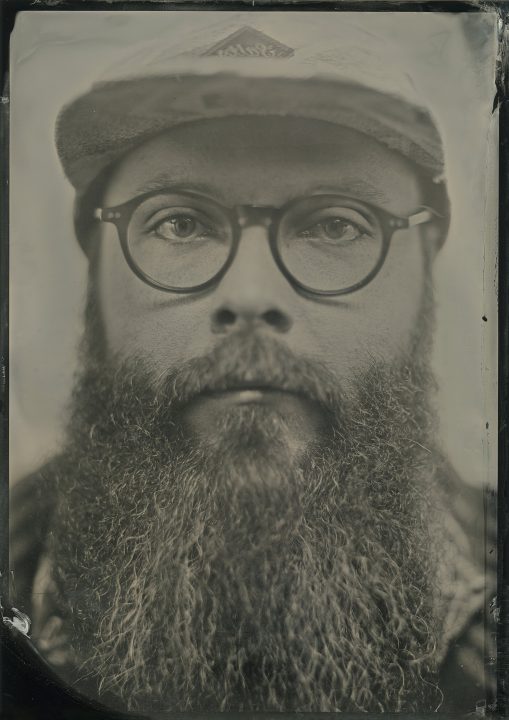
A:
(252, 511)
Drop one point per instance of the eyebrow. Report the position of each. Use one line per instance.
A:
(350, 187)
(165, 180)
(354, 187)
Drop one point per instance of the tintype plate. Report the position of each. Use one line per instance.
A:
(254, 302)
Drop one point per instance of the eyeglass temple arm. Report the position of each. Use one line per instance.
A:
(420, 217)
(424, 215)
(106, 215)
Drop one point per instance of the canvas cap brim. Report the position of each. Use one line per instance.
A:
(116, 116)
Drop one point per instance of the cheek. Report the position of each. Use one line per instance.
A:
(377, 322)
(140, 321)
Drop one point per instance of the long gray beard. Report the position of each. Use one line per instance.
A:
(235, 577)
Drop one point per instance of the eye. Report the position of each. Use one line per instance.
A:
(180, 227)
(335, 229)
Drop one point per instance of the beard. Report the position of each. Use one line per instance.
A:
(237, 575)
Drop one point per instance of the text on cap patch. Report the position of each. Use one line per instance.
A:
(248, 42)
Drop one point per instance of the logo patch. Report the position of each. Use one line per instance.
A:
(248, 42)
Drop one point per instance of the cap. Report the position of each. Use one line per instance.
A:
(310, 69)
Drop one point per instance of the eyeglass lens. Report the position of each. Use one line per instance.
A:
(179, 241)
(323, 242)
(328, 245)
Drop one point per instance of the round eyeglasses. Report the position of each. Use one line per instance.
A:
(182, 242)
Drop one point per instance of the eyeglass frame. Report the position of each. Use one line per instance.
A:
(268, 216)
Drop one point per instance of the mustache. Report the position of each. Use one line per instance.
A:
(246, 359)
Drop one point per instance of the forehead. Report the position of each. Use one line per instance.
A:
(266, 160)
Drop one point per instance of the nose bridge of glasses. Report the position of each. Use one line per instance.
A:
(255, 215)
(253, 259)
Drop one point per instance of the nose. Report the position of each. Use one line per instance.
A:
(253, 293)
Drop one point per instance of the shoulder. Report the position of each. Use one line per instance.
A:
(467, 673)
(31, 504)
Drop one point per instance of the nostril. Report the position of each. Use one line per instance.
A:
(225, 317)
(277, 320)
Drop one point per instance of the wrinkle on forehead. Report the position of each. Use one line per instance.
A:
(267, 161)
(349, 187)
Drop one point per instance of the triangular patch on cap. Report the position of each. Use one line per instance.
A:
(248, 42)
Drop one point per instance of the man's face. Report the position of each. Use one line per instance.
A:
(246, 549)
(265, 161)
